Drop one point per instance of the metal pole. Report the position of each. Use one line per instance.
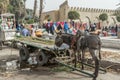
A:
(93, 66)
(75, 69)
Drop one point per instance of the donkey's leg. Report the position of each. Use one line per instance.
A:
(92, 52)
(75, 60)
(77, 56)
(99, 43)
(83, 58)
(79, 53)
(99, 52)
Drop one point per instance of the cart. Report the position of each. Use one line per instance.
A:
(42, 49)
(38, 52)
(7, 32)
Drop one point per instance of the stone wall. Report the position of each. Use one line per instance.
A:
(53, 14)
(63, 12)
(86, 14)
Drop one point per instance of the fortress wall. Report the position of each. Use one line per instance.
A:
(85, 13)
(64, 3)
(82, 9)
(53, 15)
(92, 13)
(63, 11)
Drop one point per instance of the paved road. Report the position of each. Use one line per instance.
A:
(45, 73)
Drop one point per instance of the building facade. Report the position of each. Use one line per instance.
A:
(86, 14)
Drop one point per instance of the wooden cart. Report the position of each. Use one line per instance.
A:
(38, 52)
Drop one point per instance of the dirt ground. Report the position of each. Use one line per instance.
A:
(45, 73)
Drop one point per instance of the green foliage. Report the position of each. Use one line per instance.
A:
(17, 7)
(117, 12)
(73, 15)
(103, 16)
(118, 18)
(10, 8)
(30, 21)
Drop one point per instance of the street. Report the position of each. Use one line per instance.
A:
(45, 73)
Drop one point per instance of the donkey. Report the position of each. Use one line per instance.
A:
(69, 39)
(79, 43)
(93, 43)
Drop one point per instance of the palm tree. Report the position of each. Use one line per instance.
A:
(40, 12)
(3, 6)
(18, 8)
(117, 12)
(35, 7)
(24, 9)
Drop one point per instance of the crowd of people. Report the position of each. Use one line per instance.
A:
(111, 30)
(68, 27)
(72, 27)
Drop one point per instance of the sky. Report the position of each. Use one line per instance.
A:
(54, 4)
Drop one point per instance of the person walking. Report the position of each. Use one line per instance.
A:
(66, 27)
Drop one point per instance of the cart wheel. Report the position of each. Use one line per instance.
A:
(0, 45)
(42, 58)
(24, 54)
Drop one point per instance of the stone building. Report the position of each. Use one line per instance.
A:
(86, 14)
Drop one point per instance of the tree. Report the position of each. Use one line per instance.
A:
(35, 8)
(73, 15)
(118, 18)
(103, 16)
(40, 12)
(18, 8)
(117, 12)
(3, 6)
(10, 8)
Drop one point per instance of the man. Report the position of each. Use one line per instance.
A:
(25, 32)
(66, 27)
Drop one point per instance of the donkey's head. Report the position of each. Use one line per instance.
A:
(79, 33)
(58, 41)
